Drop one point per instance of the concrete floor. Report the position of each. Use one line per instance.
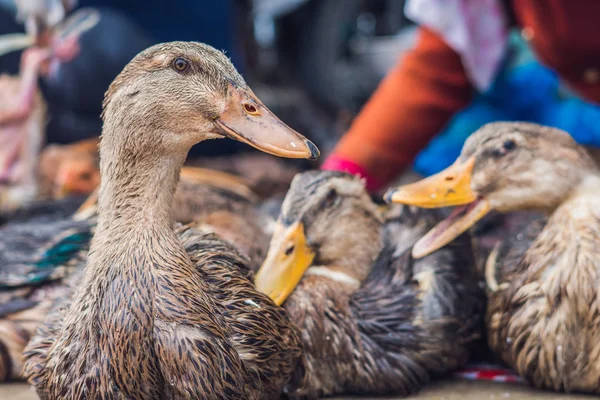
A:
(442, 390)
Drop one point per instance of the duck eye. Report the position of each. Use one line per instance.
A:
(251, 109)
(509, 145)
(181, 64)
(330, 199)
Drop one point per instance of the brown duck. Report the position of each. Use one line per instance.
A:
(543, 316)
(373, 320)
(163, 314)
(43, 247)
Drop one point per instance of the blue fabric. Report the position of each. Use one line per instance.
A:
(207, 21)
(524, 90)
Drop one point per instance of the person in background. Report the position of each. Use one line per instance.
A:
(462, 47)
(75, 91)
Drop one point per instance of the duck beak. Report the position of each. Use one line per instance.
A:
(64, 184)
(248, 120)
(288, 258)
(451, 187)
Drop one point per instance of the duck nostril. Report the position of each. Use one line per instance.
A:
(250, 109)
(449, 178)
(289, 250)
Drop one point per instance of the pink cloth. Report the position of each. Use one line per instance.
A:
(475, 29)
(334, 163)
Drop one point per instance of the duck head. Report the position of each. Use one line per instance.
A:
(328, 228)
(181, 93)
(504, 166)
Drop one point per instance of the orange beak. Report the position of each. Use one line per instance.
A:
(451, 187)
(248, 120)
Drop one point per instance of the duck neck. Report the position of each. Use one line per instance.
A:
(138, 192)
(138, 181)
(589, 187)
(574, 214)
(563, 252)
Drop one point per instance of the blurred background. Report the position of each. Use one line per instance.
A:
(315, 62)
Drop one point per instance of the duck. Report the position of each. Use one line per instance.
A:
(43, 247)
(69, 169)
(541, 318)
(373, 320)
(40, 247)
(159, 312)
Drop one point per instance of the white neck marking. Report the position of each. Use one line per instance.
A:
(337, 276)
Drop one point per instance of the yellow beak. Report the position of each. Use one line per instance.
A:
(451, 187)
(288, 258)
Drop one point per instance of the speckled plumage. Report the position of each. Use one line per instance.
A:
(407, 321)
(161, 314)
(41, 248)
(249, 348)
(543, 315)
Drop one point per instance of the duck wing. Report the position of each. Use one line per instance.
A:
(265, 339)
(39, 249)
(418, 317)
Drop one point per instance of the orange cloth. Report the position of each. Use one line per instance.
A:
(429, 85)
(411, 105)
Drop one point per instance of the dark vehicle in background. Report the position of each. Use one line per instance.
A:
(338, 50)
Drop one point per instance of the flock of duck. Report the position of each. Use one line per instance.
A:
(164, 283)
